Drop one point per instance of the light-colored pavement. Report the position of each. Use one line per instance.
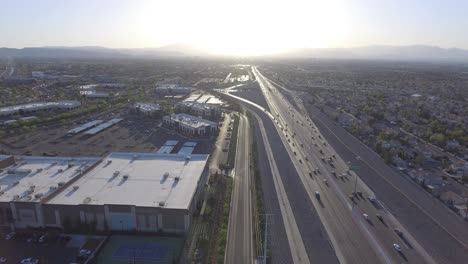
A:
(239, 247)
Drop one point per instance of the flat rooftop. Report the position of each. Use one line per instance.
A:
(33, 178)
(191, 121)
(38, 106)
(84, 127)
(103, 126)
(140, 179)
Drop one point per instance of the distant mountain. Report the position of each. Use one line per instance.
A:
(406, 53)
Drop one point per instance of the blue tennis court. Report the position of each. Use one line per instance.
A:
(142, 251)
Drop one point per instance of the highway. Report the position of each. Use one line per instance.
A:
(296, 234)
(239, 246)
(441, 233)
(351, 235)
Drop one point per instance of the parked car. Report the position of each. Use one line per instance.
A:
(29, 261)
(10, 235)
(84, 254)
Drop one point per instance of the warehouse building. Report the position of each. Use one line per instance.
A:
(144, 192)
(34, 107)
(190, 125)
(27, 182)
(172, 89)
(140, 192)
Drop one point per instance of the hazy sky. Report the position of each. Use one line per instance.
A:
(242, 27)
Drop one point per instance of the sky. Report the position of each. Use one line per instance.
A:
(241, 27)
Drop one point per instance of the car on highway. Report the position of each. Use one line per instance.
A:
(397, 247)
(399, 233)
(372, 199)
(366, 216)
(379, 217)
(317, 195)
(306, 158)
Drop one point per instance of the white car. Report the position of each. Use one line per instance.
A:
(10, 235)
(366, 216)
(29, 261)
(397, 247)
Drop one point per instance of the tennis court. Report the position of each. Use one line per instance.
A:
(141, 249)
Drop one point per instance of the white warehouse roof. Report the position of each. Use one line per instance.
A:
(9, 110)
(140, 179)
(190, 121)
(33, 178)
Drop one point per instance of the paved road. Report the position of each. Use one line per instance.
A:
(355, 239)
(294, 219)
(239, 247)
(443, 234)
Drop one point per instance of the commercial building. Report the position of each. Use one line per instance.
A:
(172, 89)
(146, 108)
(145, 192)
(42, 106)
(190, 125)
(141, 192)
(27, 182)
(205, 105)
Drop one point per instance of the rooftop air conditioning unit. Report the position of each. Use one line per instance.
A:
(15, 197)
(76, 187)
(71, 165)
(1, 193)
(54, 163)
(60, 170)
(188, 157)
(38, 195)
(109, 161)
(116, 173)
(135, 156)
(87, 200)
(177, 178)
(15, 183)
(125, 177)
(32, 187)
(162, 203)
(28, 198)
(166, 174)
(60, 184)
(39, 169)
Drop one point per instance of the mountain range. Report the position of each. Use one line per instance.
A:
(405, 53)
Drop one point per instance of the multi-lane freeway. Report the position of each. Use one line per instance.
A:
(320, 197)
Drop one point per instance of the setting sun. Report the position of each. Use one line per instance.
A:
(244, 28)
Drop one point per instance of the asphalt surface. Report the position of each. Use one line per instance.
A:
(355, 239)
(443, 234)
(239, 247)
(311, 232)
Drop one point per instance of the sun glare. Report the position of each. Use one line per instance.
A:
(243, 28)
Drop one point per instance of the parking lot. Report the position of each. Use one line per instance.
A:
(47, 247)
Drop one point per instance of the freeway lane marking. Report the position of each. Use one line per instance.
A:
(377, 245)
(398, 190)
